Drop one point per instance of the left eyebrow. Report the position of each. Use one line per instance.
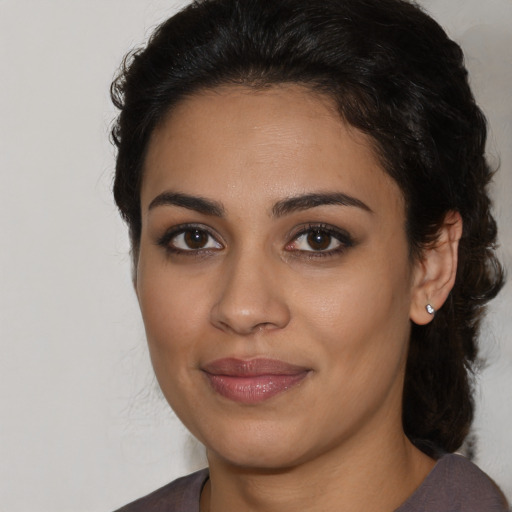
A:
(307, 201)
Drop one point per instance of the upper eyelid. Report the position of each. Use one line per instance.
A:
(174, 231)
(343, 237)
(183, 231)
(332, 230)
(180, 228)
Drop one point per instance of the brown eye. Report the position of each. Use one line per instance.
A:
(195, 239)
(189, 239)
(319, 240)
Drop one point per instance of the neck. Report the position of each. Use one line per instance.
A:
(379, 477)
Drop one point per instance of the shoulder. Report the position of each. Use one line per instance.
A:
(182, 495)
(456, 484)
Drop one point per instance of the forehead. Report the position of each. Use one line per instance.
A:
(277, 141)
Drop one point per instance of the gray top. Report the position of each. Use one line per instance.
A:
(454, 485)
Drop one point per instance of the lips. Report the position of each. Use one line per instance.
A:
(254, 380)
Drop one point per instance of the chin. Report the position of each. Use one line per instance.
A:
(258, 458)
(258, 446)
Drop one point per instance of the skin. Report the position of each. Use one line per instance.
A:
(257, 288)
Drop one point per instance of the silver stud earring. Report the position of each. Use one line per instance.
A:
(430, 309)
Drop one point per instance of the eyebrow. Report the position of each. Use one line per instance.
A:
(307, 201)
(196, 203)
(280, 209)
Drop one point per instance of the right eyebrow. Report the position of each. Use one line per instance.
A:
(196, 203)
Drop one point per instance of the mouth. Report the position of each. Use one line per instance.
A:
(254, 380)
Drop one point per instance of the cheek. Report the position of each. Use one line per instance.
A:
(174, 332)
(173, 326)
(363, 328)
(362, 335)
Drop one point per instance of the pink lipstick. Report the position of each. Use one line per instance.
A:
(254, 380)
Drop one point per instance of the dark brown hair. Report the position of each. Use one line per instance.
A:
(395, 75)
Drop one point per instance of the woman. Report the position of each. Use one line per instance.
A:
(305, 188)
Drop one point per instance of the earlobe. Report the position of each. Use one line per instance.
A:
(436, 271)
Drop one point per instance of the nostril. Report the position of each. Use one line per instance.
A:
(262, 316)
(264, 326)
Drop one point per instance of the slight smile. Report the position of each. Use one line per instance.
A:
(254, 380)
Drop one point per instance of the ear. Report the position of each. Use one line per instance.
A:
(434, 273)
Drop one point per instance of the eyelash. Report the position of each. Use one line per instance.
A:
(165, 240)
(341, 236)
(344, 239)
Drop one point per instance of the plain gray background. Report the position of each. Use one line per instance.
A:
(82, 426)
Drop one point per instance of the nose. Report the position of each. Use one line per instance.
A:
(251, 298)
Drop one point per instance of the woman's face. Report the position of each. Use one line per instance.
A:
(274, 277)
